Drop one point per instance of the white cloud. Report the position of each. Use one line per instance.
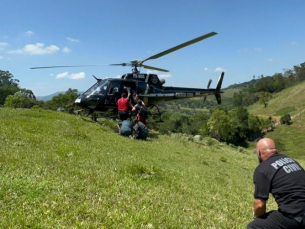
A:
(161, 76)
(165, 75)
(206, 69)
(35, 49)
(258, 49)
(66, 50)
(62, 75)
(72, 39)
(271, 60)
(75, 76)
(51, 74)
(29, 33)
(219, 69)
(2, 45)
(250, 50)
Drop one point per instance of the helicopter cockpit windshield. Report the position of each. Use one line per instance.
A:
(100, 88)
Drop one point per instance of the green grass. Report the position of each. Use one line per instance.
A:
(290, 100)
(288, 138)
(63, 171)
(284, 111)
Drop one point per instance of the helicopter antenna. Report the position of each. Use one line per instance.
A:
(97, 79)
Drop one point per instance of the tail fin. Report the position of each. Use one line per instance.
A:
(218, 88)
(209, 84)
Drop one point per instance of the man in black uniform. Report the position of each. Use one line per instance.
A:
(284, 178)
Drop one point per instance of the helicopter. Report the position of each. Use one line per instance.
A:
(105, 93)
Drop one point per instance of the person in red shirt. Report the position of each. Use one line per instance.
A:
(123, 106)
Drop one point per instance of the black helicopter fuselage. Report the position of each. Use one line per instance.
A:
(104, 94)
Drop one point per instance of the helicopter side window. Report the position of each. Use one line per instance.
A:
(114, 88)
(142, 88)
(101, 90)
(98, 88)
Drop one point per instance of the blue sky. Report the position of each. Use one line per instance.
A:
(254, 37)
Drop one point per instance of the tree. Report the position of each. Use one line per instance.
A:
(19, 100)
(254, 127)
(219, 125)
(286, 119)
(279, 82)
(6, 79)
(27, 93)
(300, 71)
(265, 84)
(8, 85)
(239, 125)
(65, 100)
(238, 99)
(264, 97)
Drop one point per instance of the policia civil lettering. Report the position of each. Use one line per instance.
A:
(289, 165)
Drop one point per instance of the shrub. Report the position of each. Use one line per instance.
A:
(286, 119)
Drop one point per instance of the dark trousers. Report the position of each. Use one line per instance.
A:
(274, 220)
(123, 115)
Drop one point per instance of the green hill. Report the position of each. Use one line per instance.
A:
(63, 171)
(290, 139)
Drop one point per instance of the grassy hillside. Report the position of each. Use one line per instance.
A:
(290, 100)
(290, 139)
(62, 171)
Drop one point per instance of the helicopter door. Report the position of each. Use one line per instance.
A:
(142, 88)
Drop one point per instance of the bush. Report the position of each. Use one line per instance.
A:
(286, 119)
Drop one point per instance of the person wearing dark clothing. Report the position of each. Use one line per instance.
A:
(131, 95)
(141, 130)
(284, 178)
(125, 128)
(123, 107)
(141, 112)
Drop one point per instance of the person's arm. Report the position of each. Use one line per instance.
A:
(134, 108)
(259, 207)
(130, 104)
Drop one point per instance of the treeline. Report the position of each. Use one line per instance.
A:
(261, 89)
(236, 126)
(11, 95)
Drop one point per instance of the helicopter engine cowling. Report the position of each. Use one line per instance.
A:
(162, 81)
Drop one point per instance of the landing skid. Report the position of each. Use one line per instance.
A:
(153, 112)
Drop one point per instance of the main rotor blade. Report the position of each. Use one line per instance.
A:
(70, 66)
(154, 68)
(180, 46)
(122, 64)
